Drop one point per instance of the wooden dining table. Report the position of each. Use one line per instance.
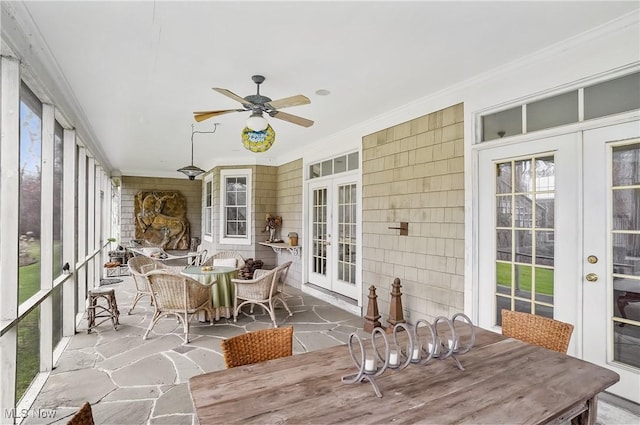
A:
(505, 381)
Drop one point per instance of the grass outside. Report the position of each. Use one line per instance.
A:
(28, 360)
(544, 278)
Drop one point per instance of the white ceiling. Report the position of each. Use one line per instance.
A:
(137, 70)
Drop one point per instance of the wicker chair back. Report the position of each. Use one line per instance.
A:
(84, 416)
(538, 330)
(258, 346)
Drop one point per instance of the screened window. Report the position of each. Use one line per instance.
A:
(235, 206)
(208, 207)
(57, 198)
(30, 194)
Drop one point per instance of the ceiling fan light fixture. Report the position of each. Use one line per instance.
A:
(258, 141)
(257, 122)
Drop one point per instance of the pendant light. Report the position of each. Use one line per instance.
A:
(192, 171)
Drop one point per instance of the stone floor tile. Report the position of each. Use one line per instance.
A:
(316, 341)
(173, 420)
(175, 400)
(183, 366)
(75, 360)
(133, 393)
(135, 350)
(330, 313)
(207, 360)
(308, 316)
(122, 412)
(312, 327)
(73, 388)
(155, 369)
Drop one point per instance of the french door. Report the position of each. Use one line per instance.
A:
(611, 260)
(559, 236)
(332, 235)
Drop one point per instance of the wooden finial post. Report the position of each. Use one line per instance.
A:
(395, 306)
(372, 319)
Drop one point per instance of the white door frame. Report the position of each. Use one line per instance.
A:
(356, 294)
(580, 346)
(565, 149)
(598, 295)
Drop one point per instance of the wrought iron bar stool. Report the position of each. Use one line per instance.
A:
(103, 312)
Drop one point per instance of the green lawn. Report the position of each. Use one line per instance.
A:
(544, 278)
(28, 360)
(29, 276)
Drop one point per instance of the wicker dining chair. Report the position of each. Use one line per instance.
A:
(258, 346)
(198, 257)
(538, 330)
(283, 271)
(261, 290)
(138, 267)
(178, 295)
(211, 261)
(84, 416)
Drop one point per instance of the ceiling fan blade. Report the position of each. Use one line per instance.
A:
(291, 118)
(288, 101)
(233, 96)
(205, 115)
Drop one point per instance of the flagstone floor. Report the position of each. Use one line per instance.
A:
(129, 380)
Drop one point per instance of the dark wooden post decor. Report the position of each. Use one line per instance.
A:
(395, 306)
(372, 319)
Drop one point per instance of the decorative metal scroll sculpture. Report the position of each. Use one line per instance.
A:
(367, 365)
(397, 356)
(161, 219)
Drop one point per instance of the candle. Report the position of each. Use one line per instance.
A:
(370, 364)
(393, 358)
(453, 343)
(416, 354)
(434, 349)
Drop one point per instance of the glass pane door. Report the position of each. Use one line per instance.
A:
(333, 235)
(525, 205)
(319, 238)
(347, 233)
(611, 271)
(625, 251)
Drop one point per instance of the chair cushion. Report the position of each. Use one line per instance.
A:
(224, 262)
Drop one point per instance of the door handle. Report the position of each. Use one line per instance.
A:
(591, 277)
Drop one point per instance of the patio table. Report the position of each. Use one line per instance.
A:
(506, 381)
(219, 278)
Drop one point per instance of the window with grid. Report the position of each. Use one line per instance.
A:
(235, 206)
(347, 233)
(525, 205)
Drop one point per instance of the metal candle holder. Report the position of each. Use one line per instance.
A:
(397, 357)
(402, 356)
(364, 373)
(452, 347)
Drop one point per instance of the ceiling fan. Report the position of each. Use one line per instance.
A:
(258, 105)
